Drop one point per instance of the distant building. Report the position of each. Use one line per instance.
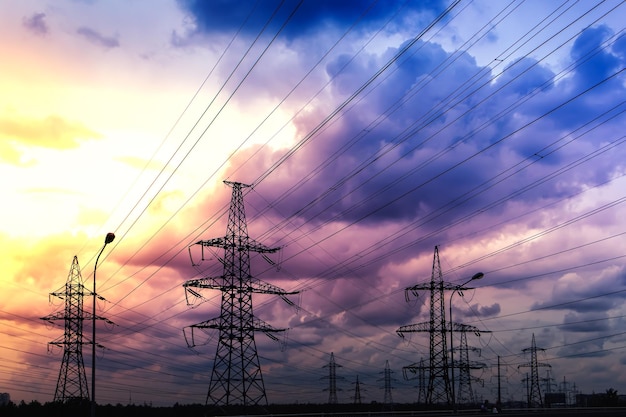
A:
(5, 398)
(599, 400)
(555, 400)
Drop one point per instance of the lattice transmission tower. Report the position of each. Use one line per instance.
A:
(357, 391)
(439, 388)
(422, 383)
(465, 393)
(548, 382)
(419, 371)
(72, 381)
(387, 399)
(236, 378)
(534, 391)
(332, 379)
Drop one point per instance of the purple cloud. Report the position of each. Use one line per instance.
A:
(36, 24)
(98, 39)
(221, 16)
(504, 165)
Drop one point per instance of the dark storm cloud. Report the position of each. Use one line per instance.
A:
(573, 322)
(588, 349)
(411, 167)
(598, 63)
(598, 54)
(431, 154)
(36, 23)
(590, 299)
(214, 17)
(97, 38)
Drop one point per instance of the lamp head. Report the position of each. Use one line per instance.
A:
(109, 238)
(477, 275)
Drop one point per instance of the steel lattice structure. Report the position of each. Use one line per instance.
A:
(420, 370)
(72, 381)
(387, 387)
(236, 378)
(465, 394)
(534, 393)
(332, 379)
(439, 389)
(357, 391)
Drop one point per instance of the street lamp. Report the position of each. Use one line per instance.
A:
(108, 239)
(456, 289)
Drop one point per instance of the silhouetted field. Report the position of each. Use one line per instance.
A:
(35, 409)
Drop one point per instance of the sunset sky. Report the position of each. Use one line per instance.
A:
(371, 131)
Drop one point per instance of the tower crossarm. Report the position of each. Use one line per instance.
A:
(51, 317)
(470, 365)
(63, 316)
(90, 316)
(62, 343)
(241, 242)
(414, 290)
(448, 286)
(213, 323)
(257, 325)
(83, 292)
(533, 349)
(419, 287)
(262, 287)
(213, 283)
(530, 365)
(415, 369)
(426, 327)
(414, 328)
(445, 286)
(262, 326)
(466, 328)
(252, 285)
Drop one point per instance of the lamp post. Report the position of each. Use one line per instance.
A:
(108, 239)
(456, 289)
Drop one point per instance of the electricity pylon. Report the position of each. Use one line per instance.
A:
(534, 392)
(236, 378)
(420, 369)
(548, 382)
(72, 381)
(421, 382)
(357, 391)
(332, 379)
(387, 387)
(465, 394)
(439, 390)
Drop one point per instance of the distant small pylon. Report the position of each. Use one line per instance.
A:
(465, 394)
(357, 391)
(387, 400)
(534, 392)
(332, 380)
(421, 382)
